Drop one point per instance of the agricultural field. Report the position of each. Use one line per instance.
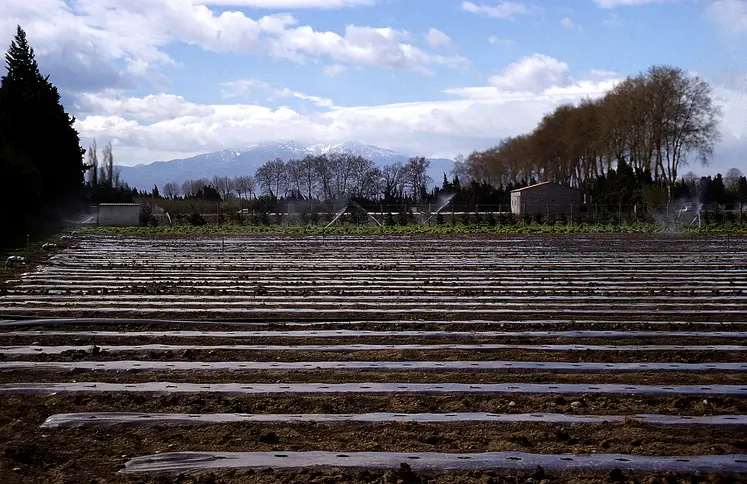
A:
(472, 358)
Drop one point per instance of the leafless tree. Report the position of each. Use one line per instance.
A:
(460, 170)
(191, 187)
(224, 185)
(653, 121)
(93, 165)
(323, 168)
(108, 166)
(171, 190)
(244, 185)
(392, 181)
(417, 178)
(686, 120)
(272, 177)
(732, 178)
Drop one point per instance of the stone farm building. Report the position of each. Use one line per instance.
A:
(118, 214)
(546, 198)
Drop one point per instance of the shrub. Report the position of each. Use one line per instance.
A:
(196, 219)
(402, 218)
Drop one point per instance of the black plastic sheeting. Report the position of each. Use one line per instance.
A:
(346, 333)
(25, 321)
(99, 419)
(322, 388)
(318, 312)
(176, 462)
(39, 349)
(362, 365)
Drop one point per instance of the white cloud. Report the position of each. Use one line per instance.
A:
(369, 46)
(78, 40)
(477, 118)
(628, 3)
(569, 24)
(601, 75)
(612, 20)
(500, 41)
(729, 14)
(503, 9)
(244, 87)
(438, 40)
(533, 74)
(151, 108)
(290, 4)
(334, 69)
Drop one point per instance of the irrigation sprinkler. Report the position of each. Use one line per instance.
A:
(339, 214)
(367, 213)
(448, 200)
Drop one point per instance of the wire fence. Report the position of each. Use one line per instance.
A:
(501, 214)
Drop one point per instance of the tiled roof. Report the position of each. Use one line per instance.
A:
(531, 186)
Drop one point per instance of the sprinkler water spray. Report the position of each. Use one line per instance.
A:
(443, 205)
(339, 214)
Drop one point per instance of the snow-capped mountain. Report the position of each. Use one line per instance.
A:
(246, 160)
(356, 148)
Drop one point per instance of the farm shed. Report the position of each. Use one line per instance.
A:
(546, 198)
(122, 214)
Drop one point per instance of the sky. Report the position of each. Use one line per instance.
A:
(166, 79)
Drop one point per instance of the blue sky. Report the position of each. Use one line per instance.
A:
(164, 79)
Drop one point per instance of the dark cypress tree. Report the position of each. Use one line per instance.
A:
(37, 128)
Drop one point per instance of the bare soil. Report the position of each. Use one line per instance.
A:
(378, 376)
(397, 355)
(29, 453)
(46, 455)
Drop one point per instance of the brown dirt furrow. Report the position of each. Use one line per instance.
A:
(398, 355)
(39, 454)
(23, 406)
(374, 376)
(384, 340)
(652, 314)
(411, 324)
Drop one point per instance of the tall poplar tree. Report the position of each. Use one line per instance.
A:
(37, 127)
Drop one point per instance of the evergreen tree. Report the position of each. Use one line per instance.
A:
(36, 127)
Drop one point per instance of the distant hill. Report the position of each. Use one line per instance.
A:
(245, 161)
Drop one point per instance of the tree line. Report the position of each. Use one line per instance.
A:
(323, 177)
(651, 124)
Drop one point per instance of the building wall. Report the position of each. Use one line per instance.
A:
(543, 199)
(119, 215)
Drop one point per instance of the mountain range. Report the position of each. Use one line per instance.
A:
(245, 161)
